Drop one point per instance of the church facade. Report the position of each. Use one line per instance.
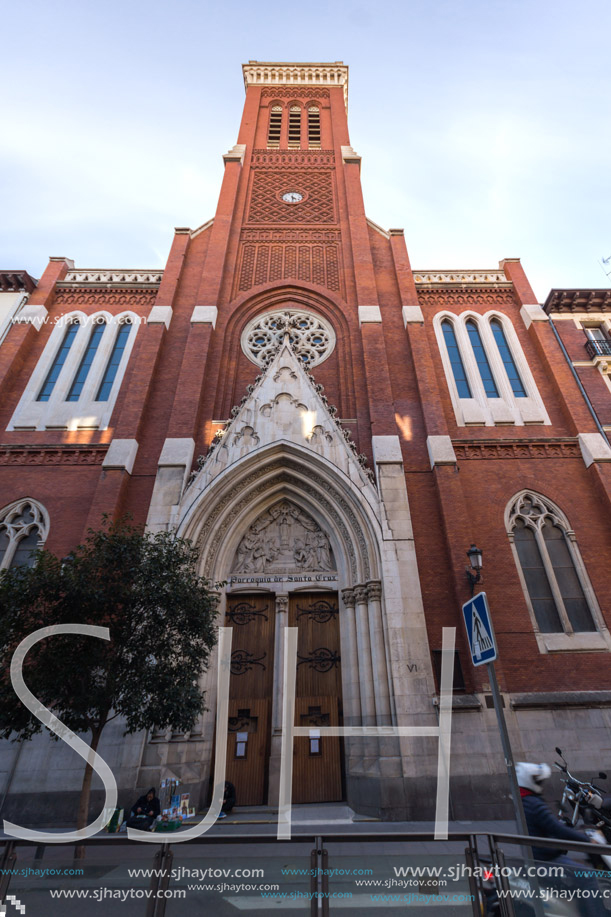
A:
(333, 430)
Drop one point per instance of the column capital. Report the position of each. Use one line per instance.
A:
(282, 602)
(360, 594)
(348, 598)
(374, 590)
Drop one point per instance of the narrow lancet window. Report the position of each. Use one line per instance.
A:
(58, 362)
(83, 371)
(460, 377)
(114, 361)
(482, 360)
(510, 367)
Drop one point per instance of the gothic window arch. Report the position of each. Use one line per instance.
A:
(76, 381)
(24, 526)
(488, 376)
(557, 589)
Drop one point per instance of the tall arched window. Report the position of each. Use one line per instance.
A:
(482, 360)
(488, 375)
(508, 362)
(58, 362)
(76, 381)
(83, 371)
(24, 526)
(555, 582)
(458, 368)
(114, 361)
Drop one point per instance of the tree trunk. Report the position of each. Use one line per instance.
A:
(83, 806)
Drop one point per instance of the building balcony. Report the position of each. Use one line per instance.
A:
(598, 349)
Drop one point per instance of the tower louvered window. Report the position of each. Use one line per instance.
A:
(294, 127)
(275, 126)
(314, 128)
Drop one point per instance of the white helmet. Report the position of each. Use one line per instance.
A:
(531, 776)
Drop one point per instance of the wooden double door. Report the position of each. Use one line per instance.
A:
(317, 771)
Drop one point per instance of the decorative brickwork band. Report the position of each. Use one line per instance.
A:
(294, 158)
(458, 299)
(124, 299)
(53, 455)
(516, 450)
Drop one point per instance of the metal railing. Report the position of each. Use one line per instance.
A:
(598, 349)
(494, 856)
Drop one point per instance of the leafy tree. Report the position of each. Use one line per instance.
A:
(145, 588)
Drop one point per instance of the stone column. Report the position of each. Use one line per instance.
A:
(351, 696)
(378, 655)
(282, 608)
(366, 685)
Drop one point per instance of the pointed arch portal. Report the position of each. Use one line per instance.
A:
(300, 533)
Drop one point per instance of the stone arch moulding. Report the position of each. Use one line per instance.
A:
(216, 518)
(308, 295)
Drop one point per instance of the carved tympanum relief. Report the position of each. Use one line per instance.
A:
(284, 540)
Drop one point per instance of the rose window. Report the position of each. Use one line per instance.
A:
(311, 337)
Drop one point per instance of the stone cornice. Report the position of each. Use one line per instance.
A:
(262, 73)
(461, 279)
(88, 279)
(16, 282)
(596, 300)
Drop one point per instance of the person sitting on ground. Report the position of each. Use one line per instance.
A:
(541, 822)
(144, 811)
(228, 799)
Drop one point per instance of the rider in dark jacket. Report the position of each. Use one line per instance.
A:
(541, 822)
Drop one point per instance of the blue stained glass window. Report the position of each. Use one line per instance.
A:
(83, 371)
(58, 362)
(460, 377)
(510, 367)
(113, 363)
(482, 360)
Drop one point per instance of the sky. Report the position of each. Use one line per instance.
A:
(484, 127)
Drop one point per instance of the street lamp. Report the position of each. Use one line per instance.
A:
(474, 575)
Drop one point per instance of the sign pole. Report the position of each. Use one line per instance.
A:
(507, 752)
(482, 643)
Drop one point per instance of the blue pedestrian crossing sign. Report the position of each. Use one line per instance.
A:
(479, 629)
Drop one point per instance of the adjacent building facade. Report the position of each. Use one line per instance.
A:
(333, 429)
